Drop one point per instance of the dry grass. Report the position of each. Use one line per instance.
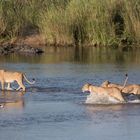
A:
(80, 22)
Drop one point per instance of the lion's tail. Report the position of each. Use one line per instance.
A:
(28, 80)
(125, 82)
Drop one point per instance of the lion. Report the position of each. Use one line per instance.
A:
(111, 91)
(9, 77)
(128, 89)
(109, 84)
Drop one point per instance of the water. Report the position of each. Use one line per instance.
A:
(54, 108)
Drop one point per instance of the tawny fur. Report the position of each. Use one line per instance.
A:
(111, 91)
(9, 77)
(132, 88)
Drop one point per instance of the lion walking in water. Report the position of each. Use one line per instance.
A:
(128, 89)
(110, 91)
(9, 77)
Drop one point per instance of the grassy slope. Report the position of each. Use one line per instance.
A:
(90, 22)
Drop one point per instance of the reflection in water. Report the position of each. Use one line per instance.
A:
(96, 108)
(77, 54)
(103, 55)
(105, 113)
(12, 99)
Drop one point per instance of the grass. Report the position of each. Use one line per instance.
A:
(80, 22)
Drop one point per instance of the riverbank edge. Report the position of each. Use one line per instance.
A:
(24, 45)
(35, 44)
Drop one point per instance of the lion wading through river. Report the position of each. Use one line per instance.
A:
(9, 77)
(128, 89)
(110, 91)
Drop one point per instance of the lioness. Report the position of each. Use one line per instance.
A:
(109, 84)
(111, 91)
(133, 88)
(9, 77)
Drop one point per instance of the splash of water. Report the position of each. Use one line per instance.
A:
(94, 98)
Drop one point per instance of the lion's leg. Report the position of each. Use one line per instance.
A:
(2, 85)
(117, 96)
(18, 88)
(136, 91)
(8, 87)
(20, 83)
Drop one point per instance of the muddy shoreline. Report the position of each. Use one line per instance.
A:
(8, 48)
(34, 44)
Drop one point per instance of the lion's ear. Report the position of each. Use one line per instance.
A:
(109, 82)
(89, 84)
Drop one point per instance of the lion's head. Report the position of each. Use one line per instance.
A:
(105, 83)
(86, 87)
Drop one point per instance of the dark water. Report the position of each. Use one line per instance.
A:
(54, 109)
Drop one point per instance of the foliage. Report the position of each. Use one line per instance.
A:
(80, 22)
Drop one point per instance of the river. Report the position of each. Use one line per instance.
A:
(54, 108)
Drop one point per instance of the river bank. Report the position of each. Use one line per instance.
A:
(28, 45)
(34, 45)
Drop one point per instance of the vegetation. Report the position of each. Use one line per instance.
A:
(80, 22)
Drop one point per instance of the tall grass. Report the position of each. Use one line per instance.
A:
(80, 22)
(132, 19)
(15, 16)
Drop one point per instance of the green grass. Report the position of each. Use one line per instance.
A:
(80, 22)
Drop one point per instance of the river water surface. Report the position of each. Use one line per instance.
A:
(54, 108)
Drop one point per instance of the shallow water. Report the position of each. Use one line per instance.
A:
(54, 109)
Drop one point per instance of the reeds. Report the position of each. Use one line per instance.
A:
(80, 22)
(15, 16)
